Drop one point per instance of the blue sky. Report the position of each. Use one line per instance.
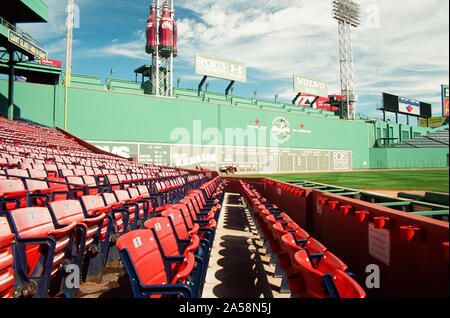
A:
(401, 47)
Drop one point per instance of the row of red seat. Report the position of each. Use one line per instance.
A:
(11, 131)
(23, 184)
(80, 231)
(169, 258)
(62, 206)
(311, 270)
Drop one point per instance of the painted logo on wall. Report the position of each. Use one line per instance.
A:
(281, 130)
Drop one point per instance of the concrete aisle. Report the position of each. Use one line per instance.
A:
(239, 267)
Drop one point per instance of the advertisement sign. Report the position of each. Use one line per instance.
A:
(220, 68)
(26, 45)
(306, 100)
(408, 106)
(402, 105)
(310, 86)
(433, 122)
(51, 62)
(445, 107)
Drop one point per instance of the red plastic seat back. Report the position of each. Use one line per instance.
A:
(347, 287)
(37, 173)
(68, 211)
(33, 222)
(76, 180)
(165, 234)
(133, 192)
(6, 260)
(312, 277)
(143, 190)
(113, 180)
(278, 230)
(301, 234)
(37, 222)
(314, 246)
(329, 263)
(178, 222)
(122, 195)
(58, 187)
(17, 173)
(145, 255)
(110, 198)
(187, 216)
(14, 188)
(92, 203)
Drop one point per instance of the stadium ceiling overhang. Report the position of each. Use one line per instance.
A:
(24, 11)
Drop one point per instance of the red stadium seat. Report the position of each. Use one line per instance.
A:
(318, 279)
(6, 260)
(43, 245)
(92, 237)
(147, 270)
(13, 194)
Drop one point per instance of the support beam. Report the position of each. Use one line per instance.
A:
(11, 85)
(314, 101)
(201, 84)
(294, 101)
(227, 91)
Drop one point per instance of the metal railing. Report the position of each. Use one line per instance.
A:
(20, 32)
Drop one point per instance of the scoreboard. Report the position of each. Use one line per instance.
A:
(245, 159)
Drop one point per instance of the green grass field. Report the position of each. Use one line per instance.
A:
(422, 180)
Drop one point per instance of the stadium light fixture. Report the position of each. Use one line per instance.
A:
(347, 11)
(348, 14)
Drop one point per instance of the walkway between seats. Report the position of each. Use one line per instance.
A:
(239, 267)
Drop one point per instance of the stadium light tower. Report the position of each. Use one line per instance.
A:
(69, 39)
(348, 14)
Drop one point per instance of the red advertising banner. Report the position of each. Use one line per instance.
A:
(445, 97)
(306, 100)
(51, 62)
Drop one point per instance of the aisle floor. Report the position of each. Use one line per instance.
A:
(239, 266)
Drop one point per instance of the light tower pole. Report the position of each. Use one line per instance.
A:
(69, 39)
(348, 14)
(158, 61)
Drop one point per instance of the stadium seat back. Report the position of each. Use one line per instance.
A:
(346, 286)
(315, 247)
(145, 256)
(68, 211)
(330, 262)
(312, 277)
(14, 189)
(165, 234)
(178, 221)
(122, 195)
(6, 260)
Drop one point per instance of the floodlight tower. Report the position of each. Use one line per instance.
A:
(165, 47)
(348, 14)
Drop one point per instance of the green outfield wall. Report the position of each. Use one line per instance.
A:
(210, 130)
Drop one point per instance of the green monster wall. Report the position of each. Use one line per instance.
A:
(209, 132)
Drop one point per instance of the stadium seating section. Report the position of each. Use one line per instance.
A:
(437, 139)
(310, 269)
(63, 204)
